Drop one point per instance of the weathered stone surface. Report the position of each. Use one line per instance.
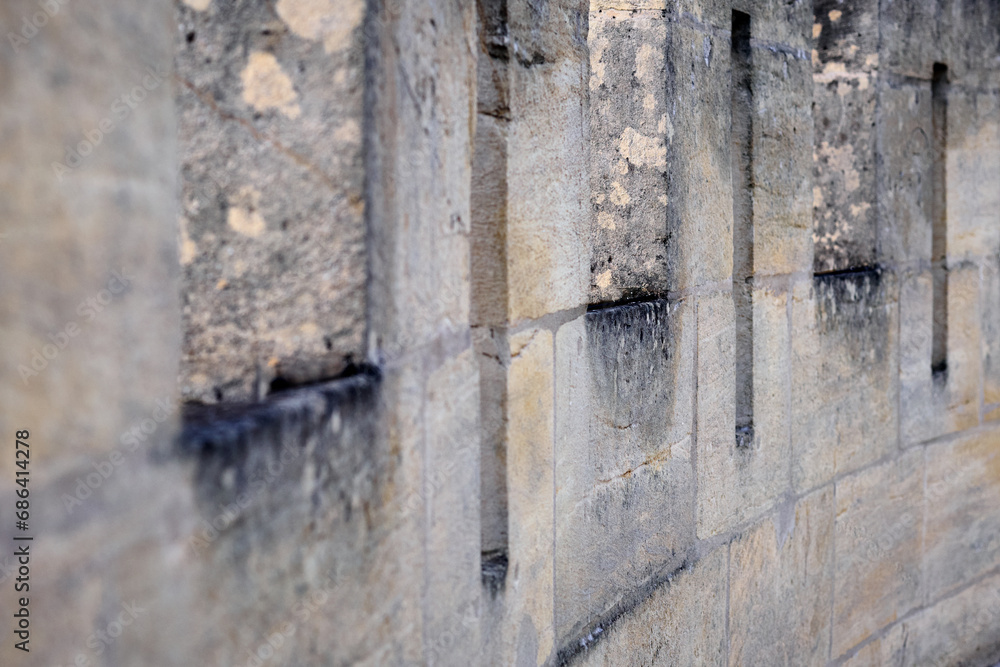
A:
(844, 374)
(272, 219)
(877, 542)
(888, 649)
(716, 417)
(989, 305)
(781, 586)
(973, 171)
(624, 480)
(453, 584)
(699, 184)
(905, 186)
(736, 483)
(527, 633)
(87, 252)
(962, 537)
(549, 221)
(628, 161)
(936, 403)
(782, 159)
(960, 630)
(844, 212)
(682, 622)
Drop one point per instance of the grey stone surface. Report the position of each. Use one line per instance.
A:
(272, 217)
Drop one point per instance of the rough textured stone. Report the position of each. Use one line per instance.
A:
(963, 630)
(548, 223)
(962, 531)
(87, 252)
(736, 483)
(528, 624)
(699, 184)
(905, 186)
(782, 159)
(780, 586)
(272, 219)
(628, 161)
(877, 543)
(938, 403)
(844, 374)
(682, 622)
(624, 481)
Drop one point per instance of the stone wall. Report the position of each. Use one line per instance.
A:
(622, 332)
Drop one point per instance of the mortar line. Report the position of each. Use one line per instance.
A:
(694, 431)
(884, 630)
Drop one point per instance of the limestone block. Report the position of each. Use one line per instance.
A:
(960, 630)
(844, 206)
(973, 171)
(932, 404)
(844, 374)
(628, 155)
(272, 218)
(905, 184)
(699, 185)
(780, 586)
(782, 160)
(548, 221)
(962, 537)
(681, 622)
(530, 434)
(624, 480)
(878, 538)
(453, 510)
(736, 483)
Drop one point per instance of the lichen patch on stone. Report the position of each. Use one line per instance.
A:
(244, 216)
(328, 21)
(266, 86)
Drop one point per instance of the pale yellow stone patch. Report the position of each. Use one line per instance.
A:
(817, 29)
(835, 15)
(188, 249)
(606, 220)
(641, 150)
(597, 68)
(603, 280)
(859, 209)
(618, 194)
(328, 21)
(266, 86)
(649, 102)
(244, 216)
(198, 5)
(842, 159)
(648, 63)
(349, 132)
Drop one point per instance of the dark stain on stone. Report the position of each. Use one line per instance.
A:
(251, 460)
(854, 304)
(631, 356)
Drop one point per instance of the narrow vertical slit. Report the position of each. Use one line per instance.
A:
(742, 176)
(488, 298)
(939, 212)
